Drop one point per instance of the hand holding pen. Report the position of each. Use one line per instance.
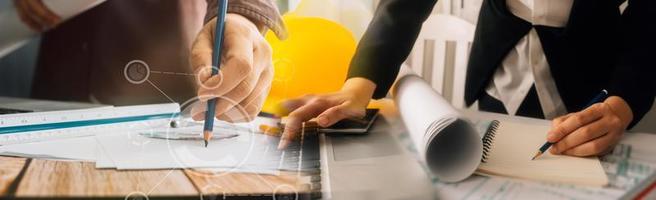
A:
(592, 131)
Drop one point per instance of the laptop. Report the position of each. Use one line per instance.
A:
(372, 166)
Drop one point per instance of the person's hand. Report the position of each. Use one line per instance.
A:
(245, 74)
(36, 15)
(350, 102)
(593, 131)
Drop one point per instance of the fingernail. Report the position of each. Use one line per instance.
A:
(323, 121)
(551, 137)
(283, 144)
(554, 150)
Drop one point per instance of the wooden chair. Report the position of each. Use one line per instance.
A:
(441, 53)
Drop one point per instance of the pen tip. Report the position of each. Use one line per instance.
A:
(536, 155)
(207, 136)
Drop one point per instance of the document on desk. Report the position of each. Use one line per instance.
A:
(244, 150)
(153, 153)
(626, 168)
(73, 149)
(508, 147)
(452, 149)
(140, 137)
(67, 134)
(31, 127)
(147, 153)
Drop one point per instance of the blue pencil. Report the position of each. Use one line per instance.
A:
(599, 98)
(216, 63)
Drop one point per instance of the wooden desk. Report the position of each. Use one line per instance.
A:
(31, 178)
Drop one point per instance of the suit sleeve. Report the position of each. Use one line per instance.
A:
(388, 41)
(263, 13)
(635, 70)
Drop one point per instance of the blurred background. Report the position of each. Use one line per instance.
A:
(54, 65)
(17, 69)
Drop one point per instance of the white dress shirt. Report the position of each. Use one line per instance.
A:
(526, 64)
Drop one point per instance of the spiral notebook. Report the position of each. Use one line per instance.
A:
(508, 148)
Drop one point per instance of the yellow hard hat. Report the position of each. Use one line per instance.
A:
(313, 59)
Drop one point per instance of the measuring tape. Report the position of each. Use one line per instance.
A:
(42, 126)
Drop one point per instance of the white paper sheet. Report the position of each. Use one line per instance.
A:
(626, 170)
(79, 148)
(446, 142)
(249, 152)
(103, 161)
(134, 151)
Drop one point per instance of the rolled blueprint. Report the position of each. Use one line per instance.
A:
(446, 142)
(15, 33)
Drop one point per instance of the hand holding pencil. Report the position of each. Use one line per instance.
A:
(244, 69)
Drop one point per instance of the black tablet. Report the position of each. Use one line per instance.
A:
(357, 126)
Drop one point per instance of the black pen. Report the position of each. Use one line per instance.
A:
(599, 98)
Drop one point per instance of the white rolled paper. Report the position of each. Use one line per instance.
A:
(446, 142)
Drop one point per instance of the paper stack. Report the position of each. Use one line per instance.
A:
(155, 144)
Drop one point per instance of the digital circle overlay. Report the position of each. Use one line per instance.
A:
(136, 72)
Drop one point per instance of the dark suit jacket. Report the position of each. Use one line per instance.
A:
(598, 49)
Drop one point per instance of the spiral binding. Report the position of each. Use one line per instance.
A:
(488, 138)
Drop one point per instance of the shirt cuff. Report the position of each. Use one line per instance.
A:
(264, 13)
